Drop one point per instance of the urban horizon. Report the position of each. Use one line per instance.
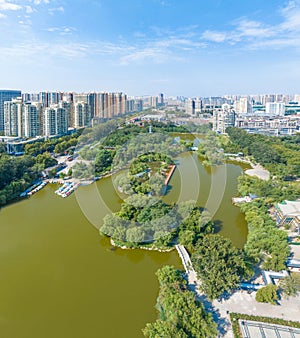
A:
(225, 94)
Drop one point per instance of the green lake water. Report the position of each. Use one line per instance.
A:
(59, 278)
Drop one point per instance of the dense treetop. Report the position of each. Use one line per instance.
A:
(180, 314)
(219, 265)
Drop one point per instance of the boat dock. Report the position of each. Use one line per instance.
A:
(245, 199)
(33, 189)
(167, 180)
(67, 189)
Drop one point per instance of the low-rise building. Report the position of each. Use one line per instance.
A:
(288, 213)
(285, 125)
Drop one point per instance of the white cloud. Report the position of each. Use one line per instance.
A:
(291, 14)
(29, 9)
(249, 28)
(56, 9)
(255, 34)
(39, 2)
(2, 16)
(153, 54)
(34, 49)
(215, 36)
(9, 6)
(61, 30)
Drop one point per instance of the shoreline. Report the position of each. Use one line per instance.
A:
(124, 247)
(256, 170)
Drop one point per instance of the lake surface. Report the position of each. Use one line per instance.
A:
(59, 278)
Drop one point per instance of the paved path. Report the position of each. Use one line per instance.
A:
(259, 172)
(240, 302)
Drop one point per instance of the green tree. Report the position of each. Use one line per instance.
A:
(135, 235)
(219, 265)
(180, 314)
(290, 285)
(267, 294)
(103, 161)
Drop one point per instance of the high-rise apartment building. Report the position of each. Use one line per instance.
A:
(31, 119)
(55, 121)
(160, 100)
(67, 106)
(129, 105)
(109, 105)
(153, 101)
(52, 113)
(198, 105)
(223, 118)
(297, 98)
(13, 117)
(48, 98)
(275, 109)
(82, 115)
(190, 107)
(6, 95)
(138, 105)
(243, 106)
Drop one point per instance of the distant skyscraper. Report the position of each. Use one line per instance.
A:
(198, 105)
(243, 106)
(153, 101)
(138, 105)
(6, 95)
(190, 107)
(297, 98)
(161, 101)
(129, 106)
(92, 103)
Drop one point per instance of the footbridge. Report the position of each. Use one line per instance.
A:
(187, 263)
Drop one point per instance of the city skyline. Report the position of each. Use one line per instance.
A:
(192, 48)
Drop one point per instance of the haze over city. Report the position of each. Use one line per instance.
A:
(143, 47)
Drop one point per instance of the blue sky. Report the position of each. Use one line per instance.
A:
(142, 47)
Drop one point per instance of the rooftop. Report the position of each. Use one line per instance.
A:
(290, 208)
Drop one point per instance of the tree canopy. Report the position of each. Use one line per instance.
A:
(180, 314)
(280, 155)
(219, 265)
(267, 294)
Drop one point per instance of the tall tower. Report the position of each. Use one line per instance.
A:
(13, 118)
(31, 120)
(6, 95)
(82, 115)
(190, 107)
(223, 118)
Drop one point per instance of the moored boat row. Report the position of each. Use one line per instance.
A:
(34, 188)
(67, 188)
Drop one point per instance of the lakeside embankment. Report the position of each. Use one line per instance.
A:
(142, 247)
(258, 171)
(256, 168)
